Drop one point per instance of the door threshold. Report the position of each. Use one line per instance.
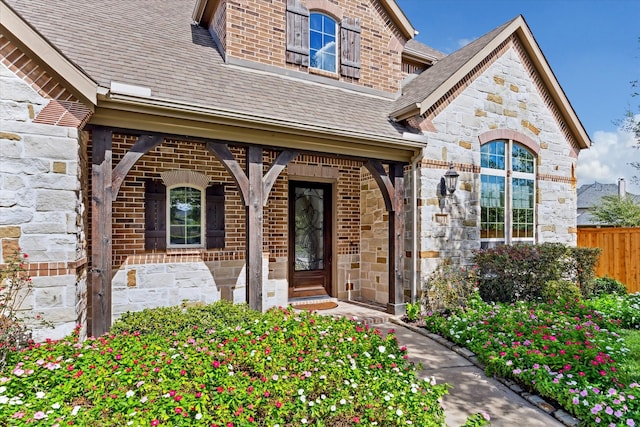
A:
(312, 300)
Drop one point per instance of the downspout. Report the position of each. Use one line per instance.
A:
(415, 160)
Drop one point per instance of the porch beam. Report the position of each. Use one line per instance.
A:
(101, 231)
(225, 156)
(255, 219)
(142, 146)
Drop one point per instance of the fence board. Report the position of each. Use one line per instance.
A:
(620, 256)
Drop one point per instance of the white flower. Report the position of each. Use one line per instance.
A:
(399, 412)
(75, 410)
(198, 416)
(40, 394)
(130, 393)
(56, 405)
(382, 349)
(333, 408)
(303, 421)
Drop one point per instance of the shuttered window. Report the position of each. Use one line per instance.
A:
(316, 40)
(174, 217)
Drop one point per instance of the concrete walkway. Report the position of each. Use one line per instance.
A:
(471, 390)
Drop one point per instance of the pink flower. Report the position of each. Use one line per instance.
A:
(39, 415)
(155, 422)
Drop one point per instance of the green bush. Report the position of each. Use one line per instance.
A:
(519, 272)
(560, 290)
(603, 286)
(183, 319)
(448, 287)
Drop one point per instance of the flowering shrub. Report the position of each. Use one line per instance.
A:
(623, 308)
(15, 287)
(448, 287)
(562, 351)
(277, 369)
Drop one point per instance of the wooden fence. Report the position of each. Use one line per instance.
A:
(620, 257)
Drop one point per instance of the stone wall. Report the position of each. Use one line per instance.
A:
(501, 97)
(41, 205)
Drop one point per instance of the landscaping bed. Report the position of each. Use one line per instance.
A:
(219, 365)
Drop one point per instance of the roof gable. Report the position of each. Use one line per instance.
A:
(424, 91)
(18, 31)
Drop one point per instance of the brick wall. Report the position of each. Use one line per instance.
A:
(256, 31)
(221, 270)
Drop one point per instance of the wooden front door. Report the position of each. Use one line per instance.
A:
(309, 239)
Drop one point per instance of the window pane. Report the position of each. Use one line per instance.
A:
(522, 160)
(492, 155)
(492, 207)
(315, 22)
(522, 208)
(185, 216)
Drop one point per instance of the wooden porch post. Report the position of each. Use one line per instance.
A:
(101, 232)
(396, 243)
(255, 221)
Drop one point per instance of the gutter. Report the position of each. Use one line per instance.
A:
(144, 104)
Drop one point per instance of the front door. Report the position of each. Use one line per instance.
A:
(309, 239)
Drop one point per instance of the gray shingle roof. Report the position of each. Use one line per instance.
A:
(590, 195)
(423, 50)
(431, 79)
(155, 44)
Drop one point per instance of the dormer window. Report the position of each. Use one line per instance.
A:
(318, 41)
(323, 42)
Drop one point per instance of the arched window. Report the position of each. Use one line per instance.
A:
(185, 217)
(323, 34)
(507, 193)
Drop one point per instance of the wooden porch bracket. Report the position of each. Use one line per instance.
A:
(225, 156)
(142, 146)
(254, 189)
(275, 170)
(392, 188)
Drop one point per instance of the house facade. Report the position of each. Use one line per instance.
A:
(267, 152)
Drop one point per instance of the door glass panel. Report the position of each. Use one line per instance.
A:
(309, 229)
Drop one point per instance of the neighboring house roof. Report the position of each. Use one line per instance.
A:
(433, 84)
(590, 195)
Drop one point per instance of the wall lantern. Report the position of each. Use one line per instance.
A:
(449, 181)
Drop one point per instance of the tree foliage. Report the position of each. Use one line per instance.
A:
(618, 211)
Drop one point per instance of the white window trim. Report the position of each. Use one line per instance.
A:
(509, 175)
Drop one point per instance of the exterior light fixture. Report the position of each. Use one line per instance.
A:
(449, 181)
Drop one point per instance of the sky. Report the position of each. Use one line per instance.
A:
(592, 46)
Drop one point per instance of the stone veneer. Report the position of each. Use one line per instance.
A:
(41, 206)
(504, 97)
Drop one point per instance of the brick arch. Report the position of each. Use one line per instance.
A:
(327, 7)
(521, 138)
